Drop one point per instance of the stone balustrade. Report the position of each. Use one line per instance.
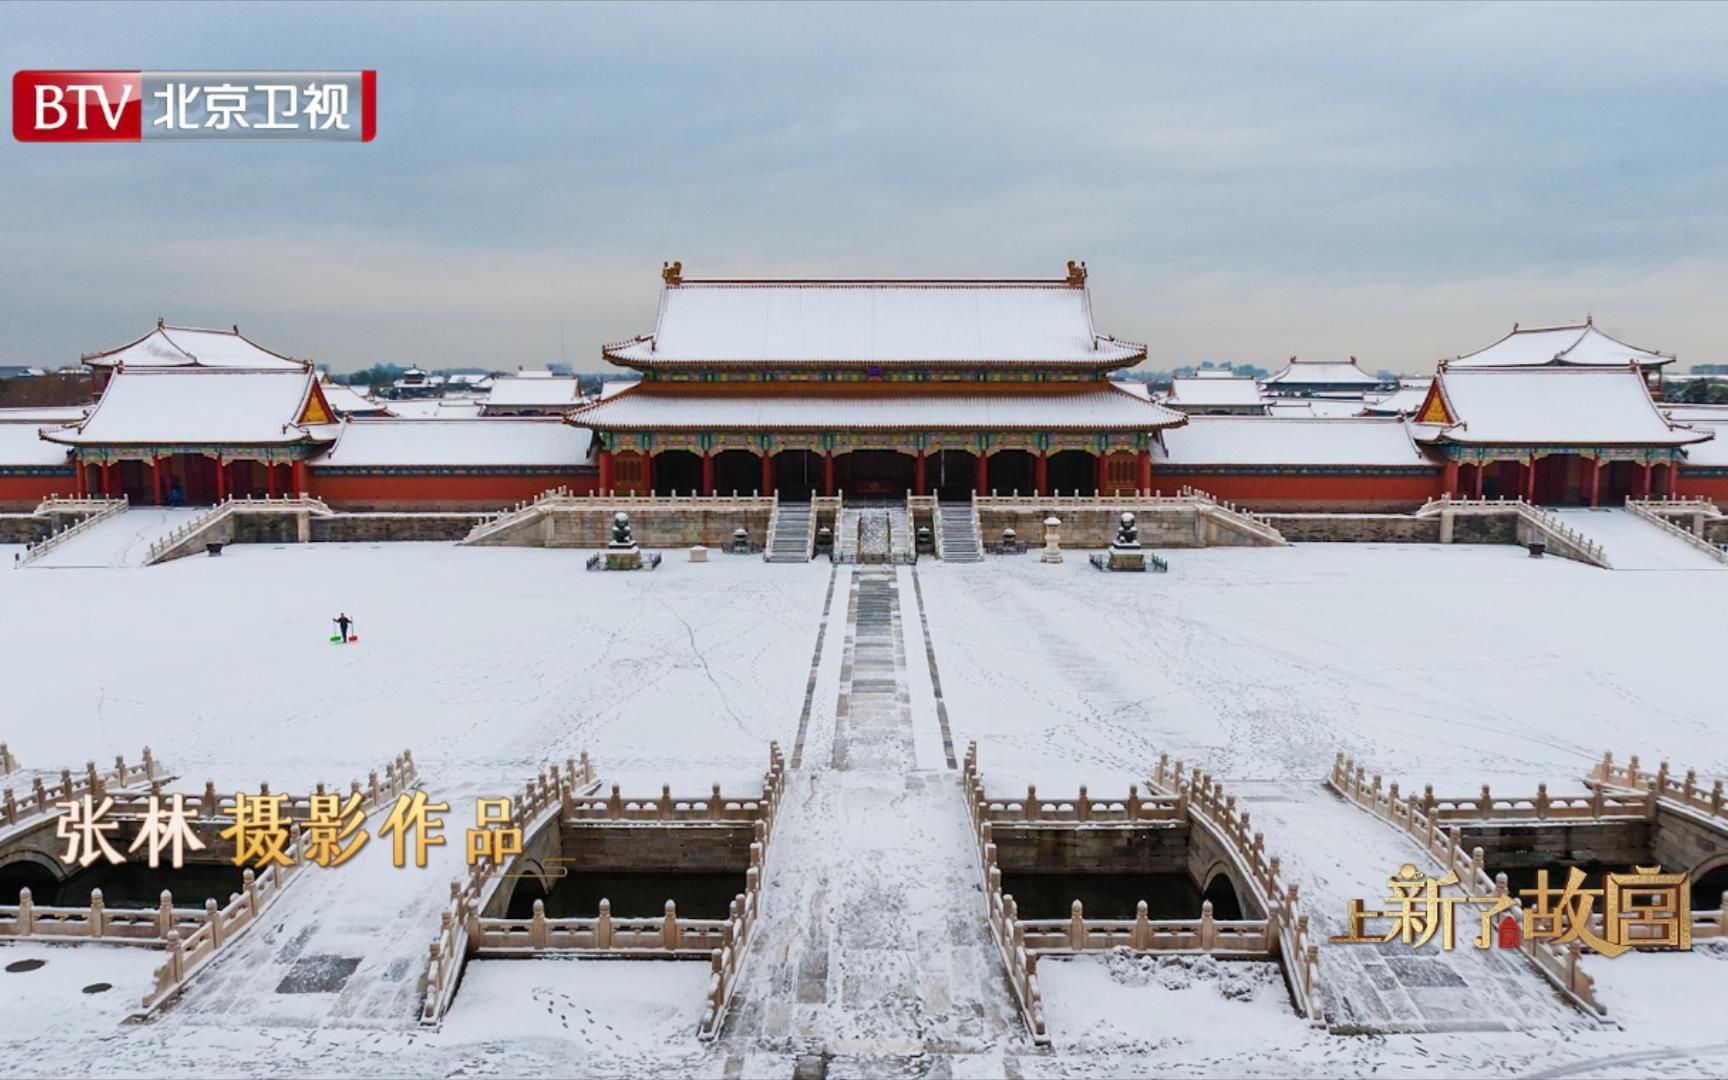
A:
(8, 763)
(189, 954)
(1239, 939)
(18, 807)
(1642, 510)
(1560, 965)
(215, 525)
(98, 922)
(1685, 792)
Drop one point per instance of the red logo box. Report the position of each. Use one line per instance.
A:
(77, 106)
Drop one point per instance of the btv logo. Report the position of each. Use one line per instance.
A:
(77, 106)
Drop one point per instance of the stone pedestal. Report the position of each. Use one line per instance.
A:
(698, 553)
(1052, 540)
(1128, 558)
(624, 558)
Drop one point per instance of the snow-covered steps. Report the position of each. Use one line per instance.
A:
(122, 539)
(1632, 543)
(792, 535)
(957, 532)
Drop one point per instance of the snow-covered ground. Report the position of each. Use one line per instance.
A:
(1453, 665)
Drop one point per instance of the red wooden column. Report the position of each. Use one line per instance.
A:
(647, 473)
(83, 480)
(301, 486)
(919, 487)
(1145, 472)
(1103, 474)
(107, 480)
(1643, 485)
(605, 471)
(156, 480)
(1451, 479)
(1595, 481)
(221, 480)
(828, 472)
(1041, 473)
(1530, 481)
(708, 473)
(1481, 467)
(981, 474)
(767, 473)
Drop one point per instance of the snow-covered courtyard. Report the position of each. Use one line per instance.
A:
(1455, 666)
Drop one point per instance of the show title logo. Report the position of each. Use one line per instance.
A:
(133, 106)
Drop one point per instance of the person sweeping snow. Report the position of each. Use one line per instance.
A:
(343, 622)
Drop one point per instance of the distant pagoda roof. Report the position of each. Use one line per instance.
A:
(1087, 407)
(1335, 373)
(863, 322)
(192, 346)
(1579, 345)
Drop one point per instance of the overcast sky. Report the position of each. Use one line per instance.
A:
(1245, 183)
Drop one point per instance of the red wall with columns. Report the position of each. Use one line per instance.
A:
(1307, 491)
(1692, 485)
(430, 491)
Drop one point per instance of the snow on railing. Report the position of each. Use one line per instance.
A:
(1231, 939)
(562, 498)
(1208, 806)
(191, 953)
(105, 509)
(226, 508)
(1553, 528)
(43, 797)
(98, 922)
(1661, 784)
(1642, 510)
(567, 795)
(1560, 965)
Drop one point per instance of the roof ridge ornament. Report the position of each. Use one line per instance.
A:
(672, 273)
(1076, 273)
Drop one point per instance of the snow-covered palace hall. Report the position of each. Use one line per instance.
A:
(872, 678)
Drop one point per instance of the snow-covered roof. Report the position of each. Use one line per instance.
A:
(192, 346)
(1678, 412)
(1713, 452)
(350, 402)
(531, 391)
(1580, 346)
(1327, 408)
(875, 322)
(1323, 373)
(1207, 390)
(1089, 409)
(437, 409)
(180, 406)
(1140, 388)
(1406, 399)
(43, 414)
(1277, 440)
(20, 444)
(1570, 406)
(493, 441)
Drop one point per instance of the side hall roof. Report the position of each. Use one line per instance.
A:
(202, 406)
(491, 441)
(191, 346)
(1548, 406)
(1290, 441)
(1323, 373)
(1580, 345)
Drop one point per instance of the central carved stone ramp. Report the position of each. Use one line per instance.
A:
(1338, 853)
(122, 540)
(874, 957)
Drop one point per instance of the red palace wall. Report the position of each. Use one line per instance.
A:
(399, 490)
(1709, 484)
(1313, 490)
(24, 492)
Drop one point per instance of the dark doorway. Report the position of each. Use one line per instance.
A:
(677, 472)
(798, 474)
(1013, 470)
(951, 474)
(1073, 472)
(875, 474)
(1105, 896)
(1222, 893)
(737, 472)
